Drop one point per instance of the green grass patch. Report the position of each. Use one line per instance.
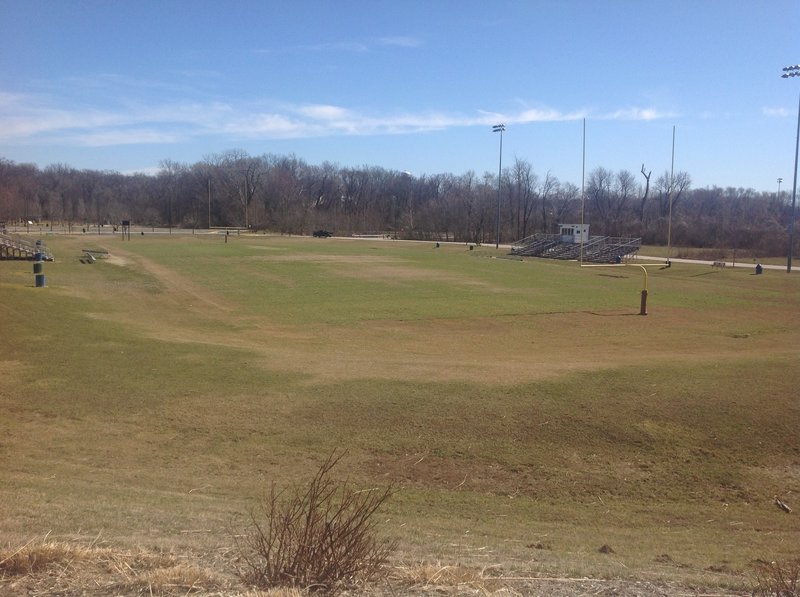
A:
(515, 402)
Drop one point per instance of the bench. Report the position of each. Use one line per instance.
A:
(719, 264)
(92, 255)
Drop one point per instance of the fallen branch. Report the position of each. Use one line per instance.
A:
(782, 505)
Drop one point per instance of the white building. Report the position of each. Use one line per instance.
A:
(574, 233)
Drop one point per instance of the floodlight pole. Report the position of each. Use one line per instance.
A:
(583, 191)
(499, 128)
(794, 194)
(793, 71)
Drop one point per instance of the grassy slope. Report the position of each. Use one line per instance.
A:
(518, 403)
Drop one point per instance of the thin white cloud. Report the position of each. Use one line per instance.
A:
(339, 46)
(548, 115)
(400, 41)
(28, 120)
(355, 46)
(633, 113)
(135, 136)
(775, 112)
(324, 112)
(527, 116)
(265, 126)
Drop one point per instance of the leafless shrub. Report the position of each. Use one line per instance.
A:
(316, 537)
(777, 579)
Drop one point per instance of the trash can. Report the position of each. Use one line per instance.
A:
(40, 281)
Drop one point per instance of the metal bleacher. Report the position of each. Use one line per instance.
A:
(598, 249)
(534, 246)
(18, 248)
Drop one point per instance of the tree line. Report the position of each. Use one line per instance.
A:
(287, 195)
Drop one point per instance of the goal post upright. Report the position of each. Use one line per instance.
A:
(643, 301)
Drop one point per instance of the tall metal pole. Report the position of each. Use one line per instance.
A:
(499, 128)
(583, 183)
(246, 195)
(671, 186)
(794, 194)
(209, 204)
(793, 71)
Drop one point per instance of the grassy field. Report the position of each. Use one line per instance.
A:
(528, 413)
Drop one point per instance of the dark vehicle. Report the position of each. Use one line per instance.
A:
(322, 233)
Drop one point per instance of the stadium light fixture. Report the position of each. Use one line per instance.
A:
(499, 128)
(793, 71)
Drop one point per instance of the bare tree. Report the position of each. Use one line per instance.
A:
(643, 198)
(566, 204)
(625, 186)
(673, 188)
(599, 191)
(172, 174)
(523, 196)
(548, 189)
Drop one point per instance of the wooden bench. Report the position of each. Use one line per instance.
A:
(719, 264)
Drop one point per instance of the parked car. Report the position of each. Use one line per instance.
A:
(322, 233)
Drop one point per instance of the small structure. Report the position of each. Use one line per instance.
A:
(574, 233)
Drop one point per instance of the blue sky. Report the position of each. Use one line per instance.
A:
(406, 85)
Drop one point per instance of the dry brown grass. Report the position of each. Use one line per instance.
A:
(437, 577)
(44, 566)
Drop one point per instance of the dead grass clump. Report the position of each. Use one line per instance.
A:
(777, 579)
(280, 592)
(47, 566)
(429, 576)
(183, 578)
(318, 537)
(38, 556)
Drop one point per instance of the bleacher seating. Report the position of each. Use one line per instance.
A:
(598, 249)
(15, 247)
